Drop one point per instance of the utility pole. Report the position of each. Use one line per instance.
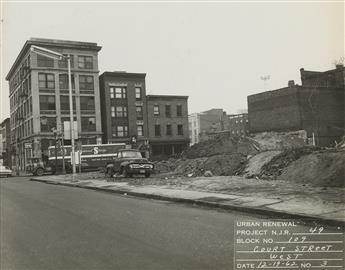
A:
(55, 137)
(71, 113)
(63, 153)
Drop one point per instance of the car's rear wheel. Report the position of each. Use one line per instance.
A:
(39, 172)
(9, 175)
(147, 175)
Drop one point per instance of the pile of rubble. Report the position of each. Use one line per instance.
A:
(224, 155)
(224, 164)
(231, 155)
(274, 168)
(279, 140)
(321, 168)
(256, 163)
(222, 144)
(267, 155)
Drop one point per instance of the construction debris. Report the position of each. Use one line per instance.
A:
(275, 167)
(222, 144)
(280, 140)
(322, 168)
(256, 163)
(227, 164)
(268, 155)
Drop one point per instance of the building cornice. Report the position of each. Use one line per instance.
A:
(165, 97)
(48, 43)
(121, 74)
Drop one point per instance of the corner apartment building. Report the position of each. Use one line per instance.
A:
(39, 96)
(123, 107)
(167, 124)
(5, 140)
(317, 107)
(205, 123)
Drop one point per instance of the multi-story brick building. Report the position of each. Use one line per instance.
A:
(316, 107)
(127, 112)
(39, 97)
(123, 107)
(205, 123)
(167, 124)
(5, 139)
(237, 124)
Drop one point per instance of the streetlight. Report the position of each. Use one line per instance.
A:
(58, 56)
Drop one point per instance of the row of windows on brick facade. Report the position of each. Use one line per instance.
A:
(47, 81)
(122, 131)
(21, 73)
(23, 91)
(84, 62)
(48, 123)
(22, 131)
(156, 110)
(22, 112)
(168, 130)
(238, 121)
(120, 92)
(47, 103)
(122, 111)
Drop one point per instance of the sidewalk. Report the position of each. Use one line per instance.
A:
(21, 173)
(273, 198)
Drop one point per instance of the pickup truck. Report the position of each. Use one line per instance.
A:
(129, 162)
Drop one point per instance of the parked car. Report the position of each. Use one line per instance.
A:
(129, 162)
(5, 171)
(37, 167)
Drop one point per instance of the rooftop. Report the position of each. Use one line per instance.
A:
(122, 74)
(45, 42)
(165, 97)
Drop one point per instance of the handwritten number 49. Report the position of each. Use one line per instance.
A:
(316, 230)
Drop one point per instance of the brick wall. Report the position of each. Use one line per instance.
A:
(162, 120)
(167, 144)
(130, 81)
(276, 110)
(330, 78)
(323, 113)
(318, 110)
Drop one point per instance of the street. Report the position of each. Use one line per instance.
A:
(56, 227)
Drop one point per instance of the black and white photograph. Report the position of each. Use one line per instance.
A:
(162, 134)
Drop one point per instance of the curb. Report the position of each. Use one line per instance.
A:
(250, 210)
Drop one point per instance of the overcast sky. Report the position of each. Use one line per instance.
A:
(213, 52)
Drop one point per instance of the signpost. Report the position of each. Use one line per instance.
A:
(28, 145)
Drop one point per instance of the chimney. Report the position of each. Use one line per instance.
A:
(291, 83)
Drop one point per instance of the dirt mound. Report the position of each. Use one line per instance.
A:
(268, 155)
(232, 164)
(256, 163)
(221, 144)
(275, 167)
(318, 169)
(166, 166)
(226, 164)
(280, 140)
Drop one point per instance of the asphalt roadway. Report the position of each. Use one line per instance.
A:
(55, 227)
